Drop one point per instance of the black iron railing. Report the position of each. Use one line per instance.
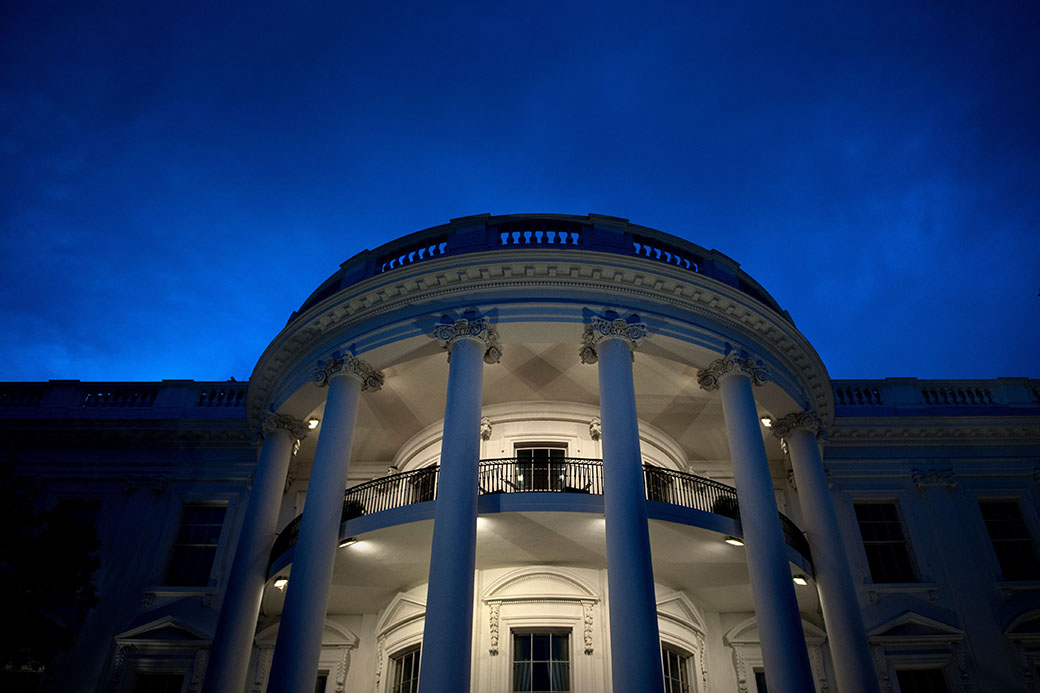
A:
(546, 475)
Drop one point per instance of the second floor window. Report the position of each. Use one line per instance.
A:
(541, 468)
(888, 552)
(1012, 542)
(192, 558)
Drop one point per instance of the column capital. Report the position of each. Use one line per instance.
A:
(270, 422)
(782, 427)
(480, 329)
(348, 364)
(611, 326)
(734, 362)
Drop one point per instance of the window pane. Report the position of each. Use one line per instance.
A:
(522, 648)
(540, 644)
(921, 681)
(540, 671)
(158, 682)
(191, 559)
(884, 543)
(1012, 543)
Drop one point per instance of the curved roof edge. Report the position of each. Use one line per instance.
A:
(594, 232)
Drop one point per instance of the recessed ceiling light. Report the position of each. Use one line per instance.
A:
(734, 541)
(800, 580)
(349, 541)
(312, 423)
(767, 421)
(280, 582)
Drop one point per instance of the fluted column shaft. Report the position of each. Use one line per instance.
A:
(236, 628)
(784, 653)
(298, 647)
(447, 648)
(850, 651)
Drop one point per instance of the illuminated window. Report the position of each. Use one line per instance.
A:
(1012, 543)
(888, 553)
(404, 668)
(541, 662)
(676, 670)
(192, 557)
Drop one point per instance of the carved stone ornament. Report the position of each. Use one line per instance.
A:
(271, 422)
(586, 611)
(347, 364)
(599, 329)
(708, 378)
(933, 477)
(493, 609)
(794, 422)
(470, 328)
(485, 428)
(595, 428)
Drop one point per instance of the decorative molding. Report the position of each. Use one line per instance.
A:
(118, 663)
(702, 658)
(348, 364)
(734, 362)
(612, 326)
(263, 665)
(961, 659)
(156, 484)
(380, 652)
(596, 428)
(794, 422)
(485, 428)
(933, 477)
(270, 422)
(198, 667)
(449, 333)
(882, 668)
(493, 609)
(342, 666)
(586, 609)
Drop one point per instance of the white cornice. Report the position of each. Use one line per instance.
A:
(978, 430)
(516, 273)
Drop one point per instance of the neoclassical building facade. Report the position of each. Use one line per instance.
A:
(544, 453)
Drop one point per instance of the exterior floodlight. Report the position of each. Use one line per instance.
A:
(348, 542)
(280, 582)
(800, 580)
(767, 421)
(313, 423)
(734, 541)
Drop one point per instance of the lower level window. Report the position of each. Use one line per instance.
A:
(158, 682)
(541, 662)
(405, 669)
(676, 670)
(921, 681)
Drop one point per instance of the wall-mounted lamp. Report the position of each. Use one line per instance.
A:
(349, 541)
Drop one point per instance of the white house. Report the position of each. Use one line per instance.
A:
(578, 455)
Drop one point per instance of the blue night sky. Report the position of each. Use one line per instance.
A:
(178, 177)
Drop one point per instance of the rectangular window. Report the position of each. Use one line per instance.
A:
(888, 552)
(1012, 543)
(541, 468)
(760, 681)
(541, 662)
(158, 682)
(192, 558)
(676, 670)
(322, 680)
(921, 681)
(404, 667)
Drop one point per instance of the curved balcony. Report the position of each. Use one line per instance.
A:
(563, 475)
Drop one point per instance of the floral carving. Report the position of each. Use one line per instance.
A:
(271, 422)
(595, 428)
(708, 378)
(793, 422)
(449, 333)
(612, 327)
(493, 616)
(587, 618)
(347, 364)
(933, 477)
(485, 428)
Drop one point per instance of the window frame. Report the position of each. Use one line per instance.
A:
(1029, 539)
(913, 563)
(537, 630)
(394, 661)
(686, 665)
(175, 532)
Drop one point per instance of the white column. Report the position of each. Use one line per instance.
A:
(635, 641)
(784, 654)
(233, 640)
(298, 647)
(447, 647)
(850, 651)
